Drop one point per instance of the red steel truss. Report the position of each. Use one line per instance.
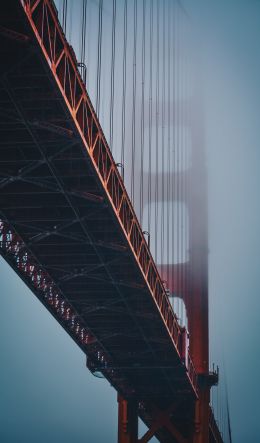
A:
(95, 223)
(42, 16)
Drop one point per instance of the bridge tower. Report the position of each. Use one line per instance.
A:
(118, 291)
(189, 280)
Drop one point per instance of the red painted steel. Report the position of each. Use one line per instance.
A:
(42, 16)
(127, 421)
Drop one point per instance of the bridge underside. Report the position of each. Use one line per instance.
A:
(53, 202)
(60, 233)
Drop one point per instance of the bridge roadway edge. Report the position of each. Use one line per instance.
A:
(134, 258)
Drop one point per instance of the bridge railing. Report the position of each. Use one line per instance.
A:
(43, 18)
(12, 245)
(37, 278)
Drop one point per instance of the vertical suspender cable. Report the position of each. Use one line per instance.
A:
(228, 416)
(173, 188)
(177, 149)
(142, 117)
(169, 140)
(229, 422)
(83, 40)
(134, 106)
(187, 82)
(221, 408)
(184, 101)
(69, 27)
(157, 127)
(83, 32)
(181, 170)
(163, 142)
(217, 401)
(99, 60)
(124, 85)
(64, 15)
(112, 77)
(184, 162)
(150, 117)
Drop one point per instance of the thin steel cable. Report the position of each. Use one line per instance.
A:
(177, 159)
(157, 126)
(181, 169)
(229, 432)
(169, 139)
(124, 85)
(150, 117)
(83, 31)
(112, 77)
(99, 60)
(69, 28)
(163, 141)
(64, 15)
(173, 188)
(187, 80)
(83, 39)
(134, 106)
(142, 116)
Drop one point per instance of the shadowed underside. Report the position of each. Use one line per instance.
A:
(69, 230)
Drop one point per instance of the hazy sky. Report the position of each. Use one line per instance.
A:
(47, 394)
(229, 33)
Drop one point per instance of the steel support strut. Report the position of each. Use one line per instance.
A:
(127, 421)
(43, 20)
(197, 303)
(167, 424)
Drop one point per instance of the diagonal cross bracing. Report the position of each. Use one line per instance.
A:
(74, 213)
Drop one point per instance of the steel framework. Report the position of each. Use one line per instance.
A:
(69, 230)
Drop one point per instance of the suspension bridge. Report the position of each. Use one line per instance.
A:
(104, 199)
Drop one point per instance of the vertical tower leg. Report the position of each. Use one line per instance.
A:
(127, 421)
(198, 327)
(202, 417)
(198, 300)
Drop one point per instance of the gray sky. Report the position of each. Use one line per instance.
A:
(229, 34)
(47, 393)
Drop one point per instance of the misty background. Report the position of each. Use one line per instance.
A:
(47, 394)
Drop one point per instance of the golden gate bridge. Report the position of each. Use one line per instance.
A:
(112, 237)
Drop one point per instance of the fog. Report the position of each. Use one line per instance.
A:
(48, 394)
(229, 35)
